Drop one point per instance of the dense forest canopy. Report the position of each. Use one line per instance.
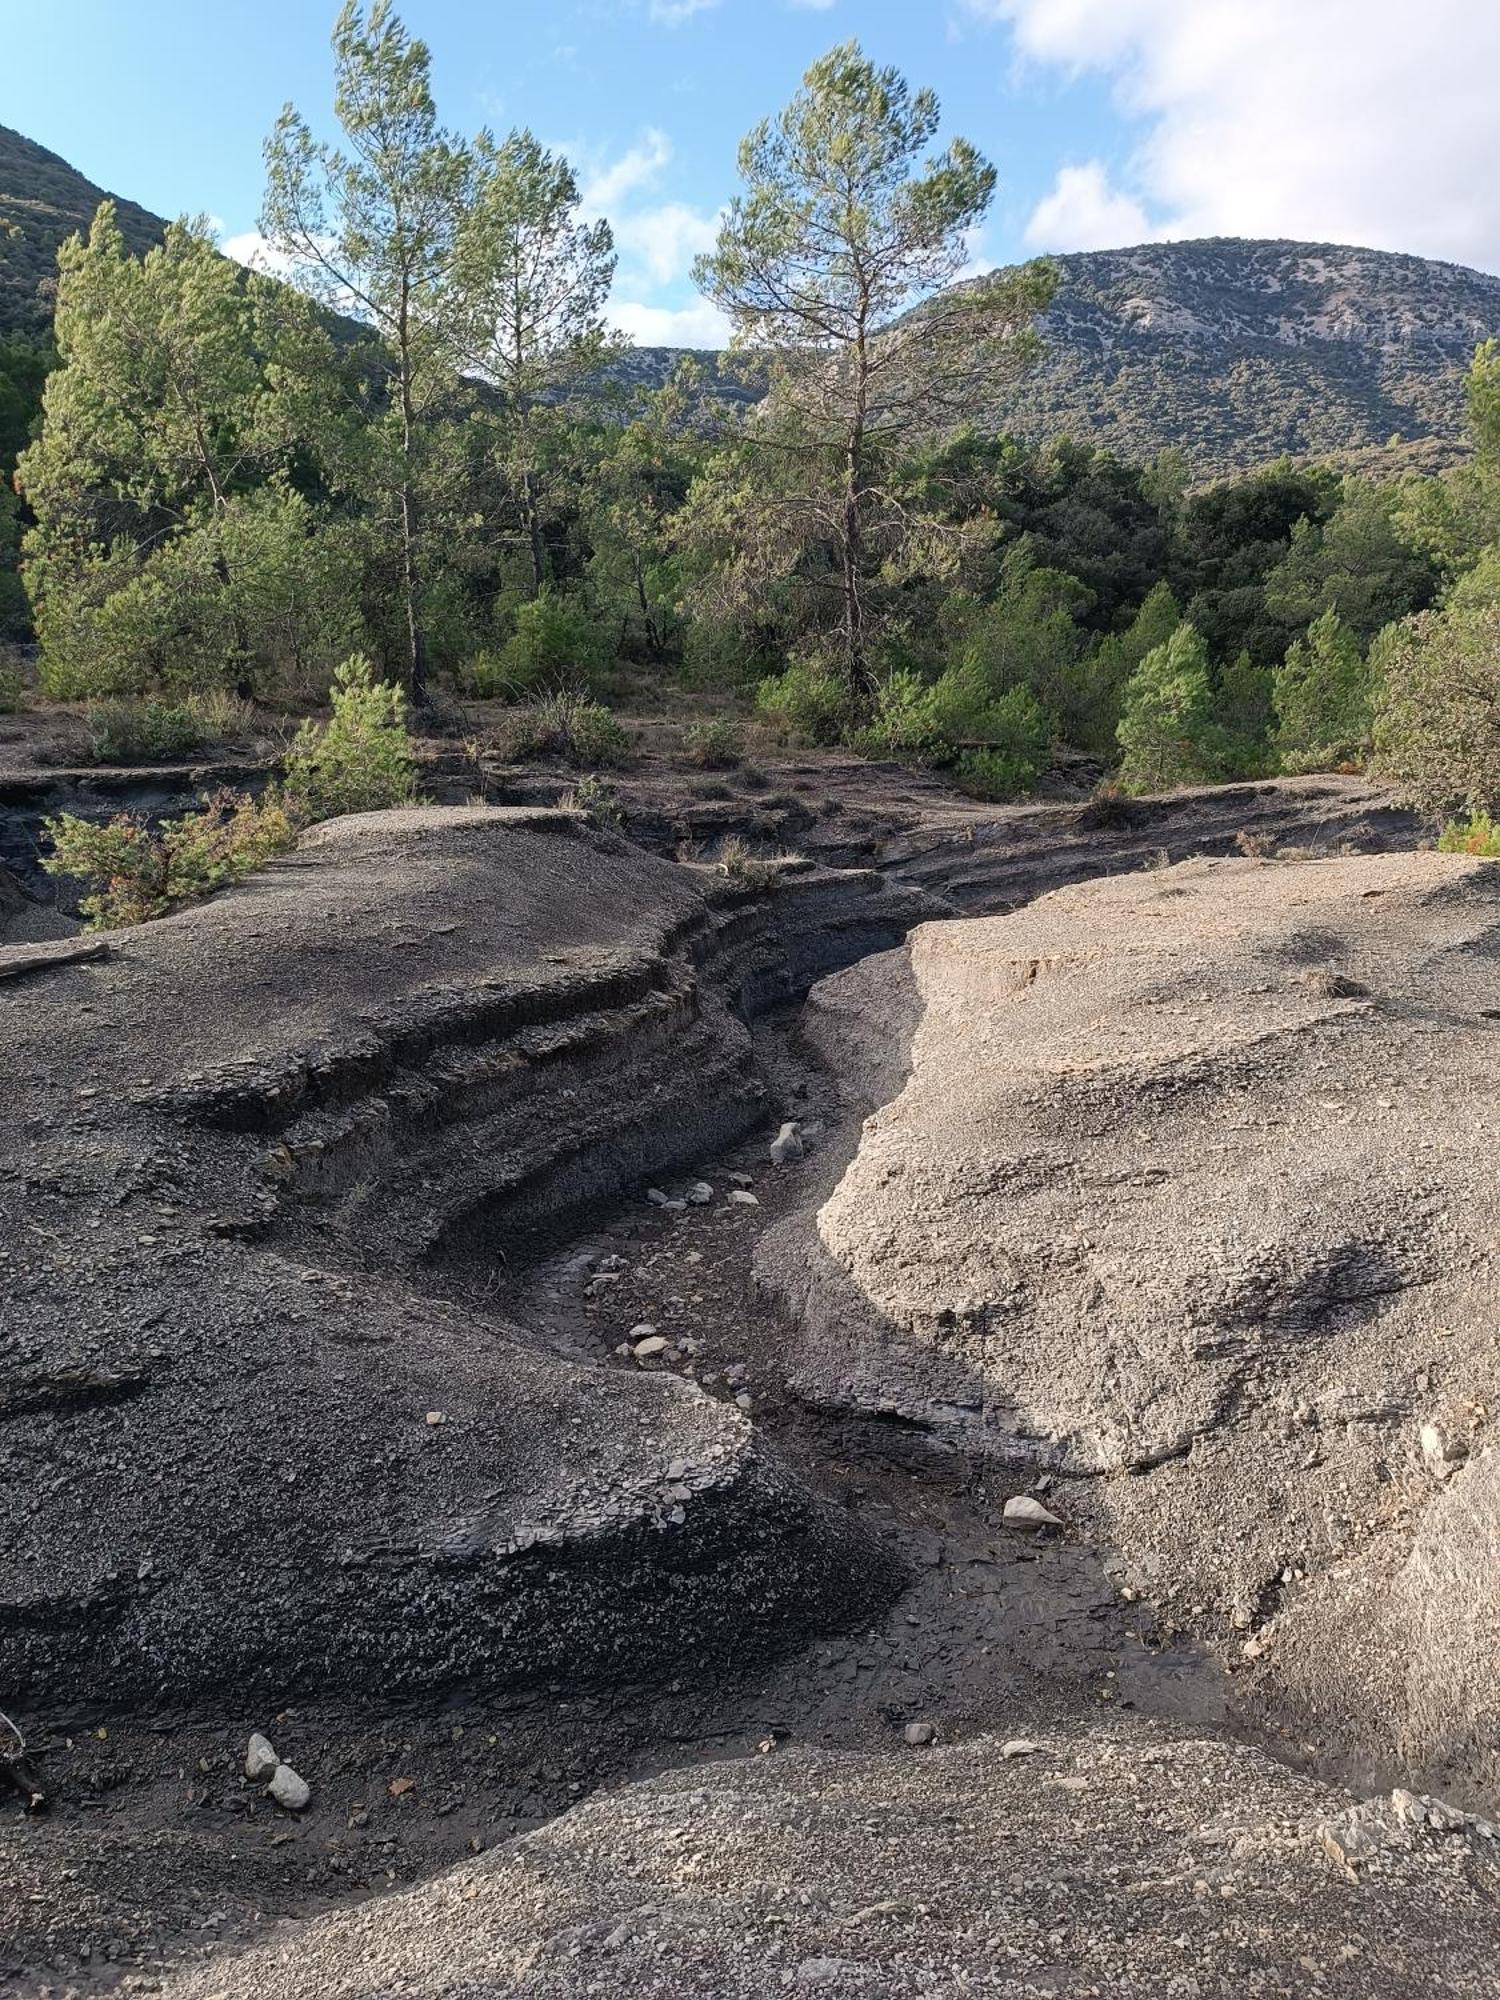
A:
(222, 485)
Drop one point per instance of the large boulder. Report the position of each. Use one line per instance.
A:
(1185, 1200)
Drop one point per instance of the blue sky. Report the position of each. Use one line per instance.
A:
(1109, 121)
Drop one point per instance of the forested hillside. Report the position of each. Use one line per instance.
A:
(42, 202)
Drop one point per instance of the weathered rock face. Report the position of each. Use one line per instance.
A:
(256, 1431)
(1185, 1201)
(1101, 1861)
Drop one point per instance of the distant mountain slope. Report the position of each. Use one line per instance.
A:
(1233, 349)
(1238, 350)
(44, 200)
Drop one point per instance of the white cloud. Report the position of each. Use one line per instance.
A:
(697, 325)
(812, 6)
(663, 241)
(605, 186)
(252, 249)
(1083, 212)
(1355, 121)
(672, 13)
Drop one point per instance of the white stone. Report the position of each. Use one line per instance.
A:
(1019, 1746)
(288, 1790)
(646, 1350)
(921, 1732)
(1021, 1511)
(700, 1194)
(741, 1198)
(260, 1760)
(787, 1145)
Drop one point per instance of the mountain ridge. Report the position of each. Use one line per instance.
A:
(1234, 350)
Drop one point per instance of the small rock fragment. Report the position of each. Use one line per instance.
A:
(260, 1760)
(647, 1349)
(787, 1145)
(1019, 1746)
(436, 1417)
(700, 1194)
(1441, 1455)
(1021, 1511)
(288, 1790)
(658, 1197)
(921, 1732)
(742, 1198)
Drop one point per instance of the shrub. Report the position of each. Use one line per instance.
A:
(144, 732)
(807, 702)
(596, 799)
(903, 724)
(568, 725)
(1478, 834)
(553, 638)
(1437, 728)
(717, 745)
(741, 864)
(140, 871)
(361, 759)
(1167, 725)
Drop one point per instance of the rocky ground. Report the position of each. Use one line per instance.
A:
(412, 1350)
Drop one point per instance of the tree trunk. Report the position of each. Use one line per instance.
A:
(533, 531)
(416, 639)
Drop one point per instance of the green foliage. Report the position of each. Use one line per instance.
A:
(716, 745)
(553, 639)
(1018, 733)
(1478, 834)
(846, 220)
(1321, 695)
(806, 702)
(1166, 728)
(361, 759)
(1357, 563)
(1437, 724)
(140, 871)
(150, 732)
(565, 724)
(596, 799)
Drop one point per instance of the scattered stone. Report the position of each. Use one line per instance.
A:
(260, 1760)
(435, 1417)
(650, 1347)
(787, 1145)
(288, 1790)
(658, 1197)
(746, 1402)
(1019, 1746)
(743, 1180)
(700, 1194)
(921, 1732)
(1022, 1511)
(741, 1198)
(642, 1331)
(1441, 1455)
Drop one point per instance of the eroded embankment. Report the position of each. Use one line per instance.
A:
(405, 1456)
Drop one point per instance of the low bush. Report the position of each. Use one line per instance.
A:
(567, 725)
(147, 732)
(13, 690)
(361, 759)
(715, 746)
(139, 871)
(808, 703)
(1478, 834)
(742, 864)
(596, 799)
(553, 639)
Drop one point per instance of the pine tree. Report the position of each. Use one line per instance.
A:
(374, 232)
(534, 280)
(841, 229)
(1321, 695)
(1167, 726)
